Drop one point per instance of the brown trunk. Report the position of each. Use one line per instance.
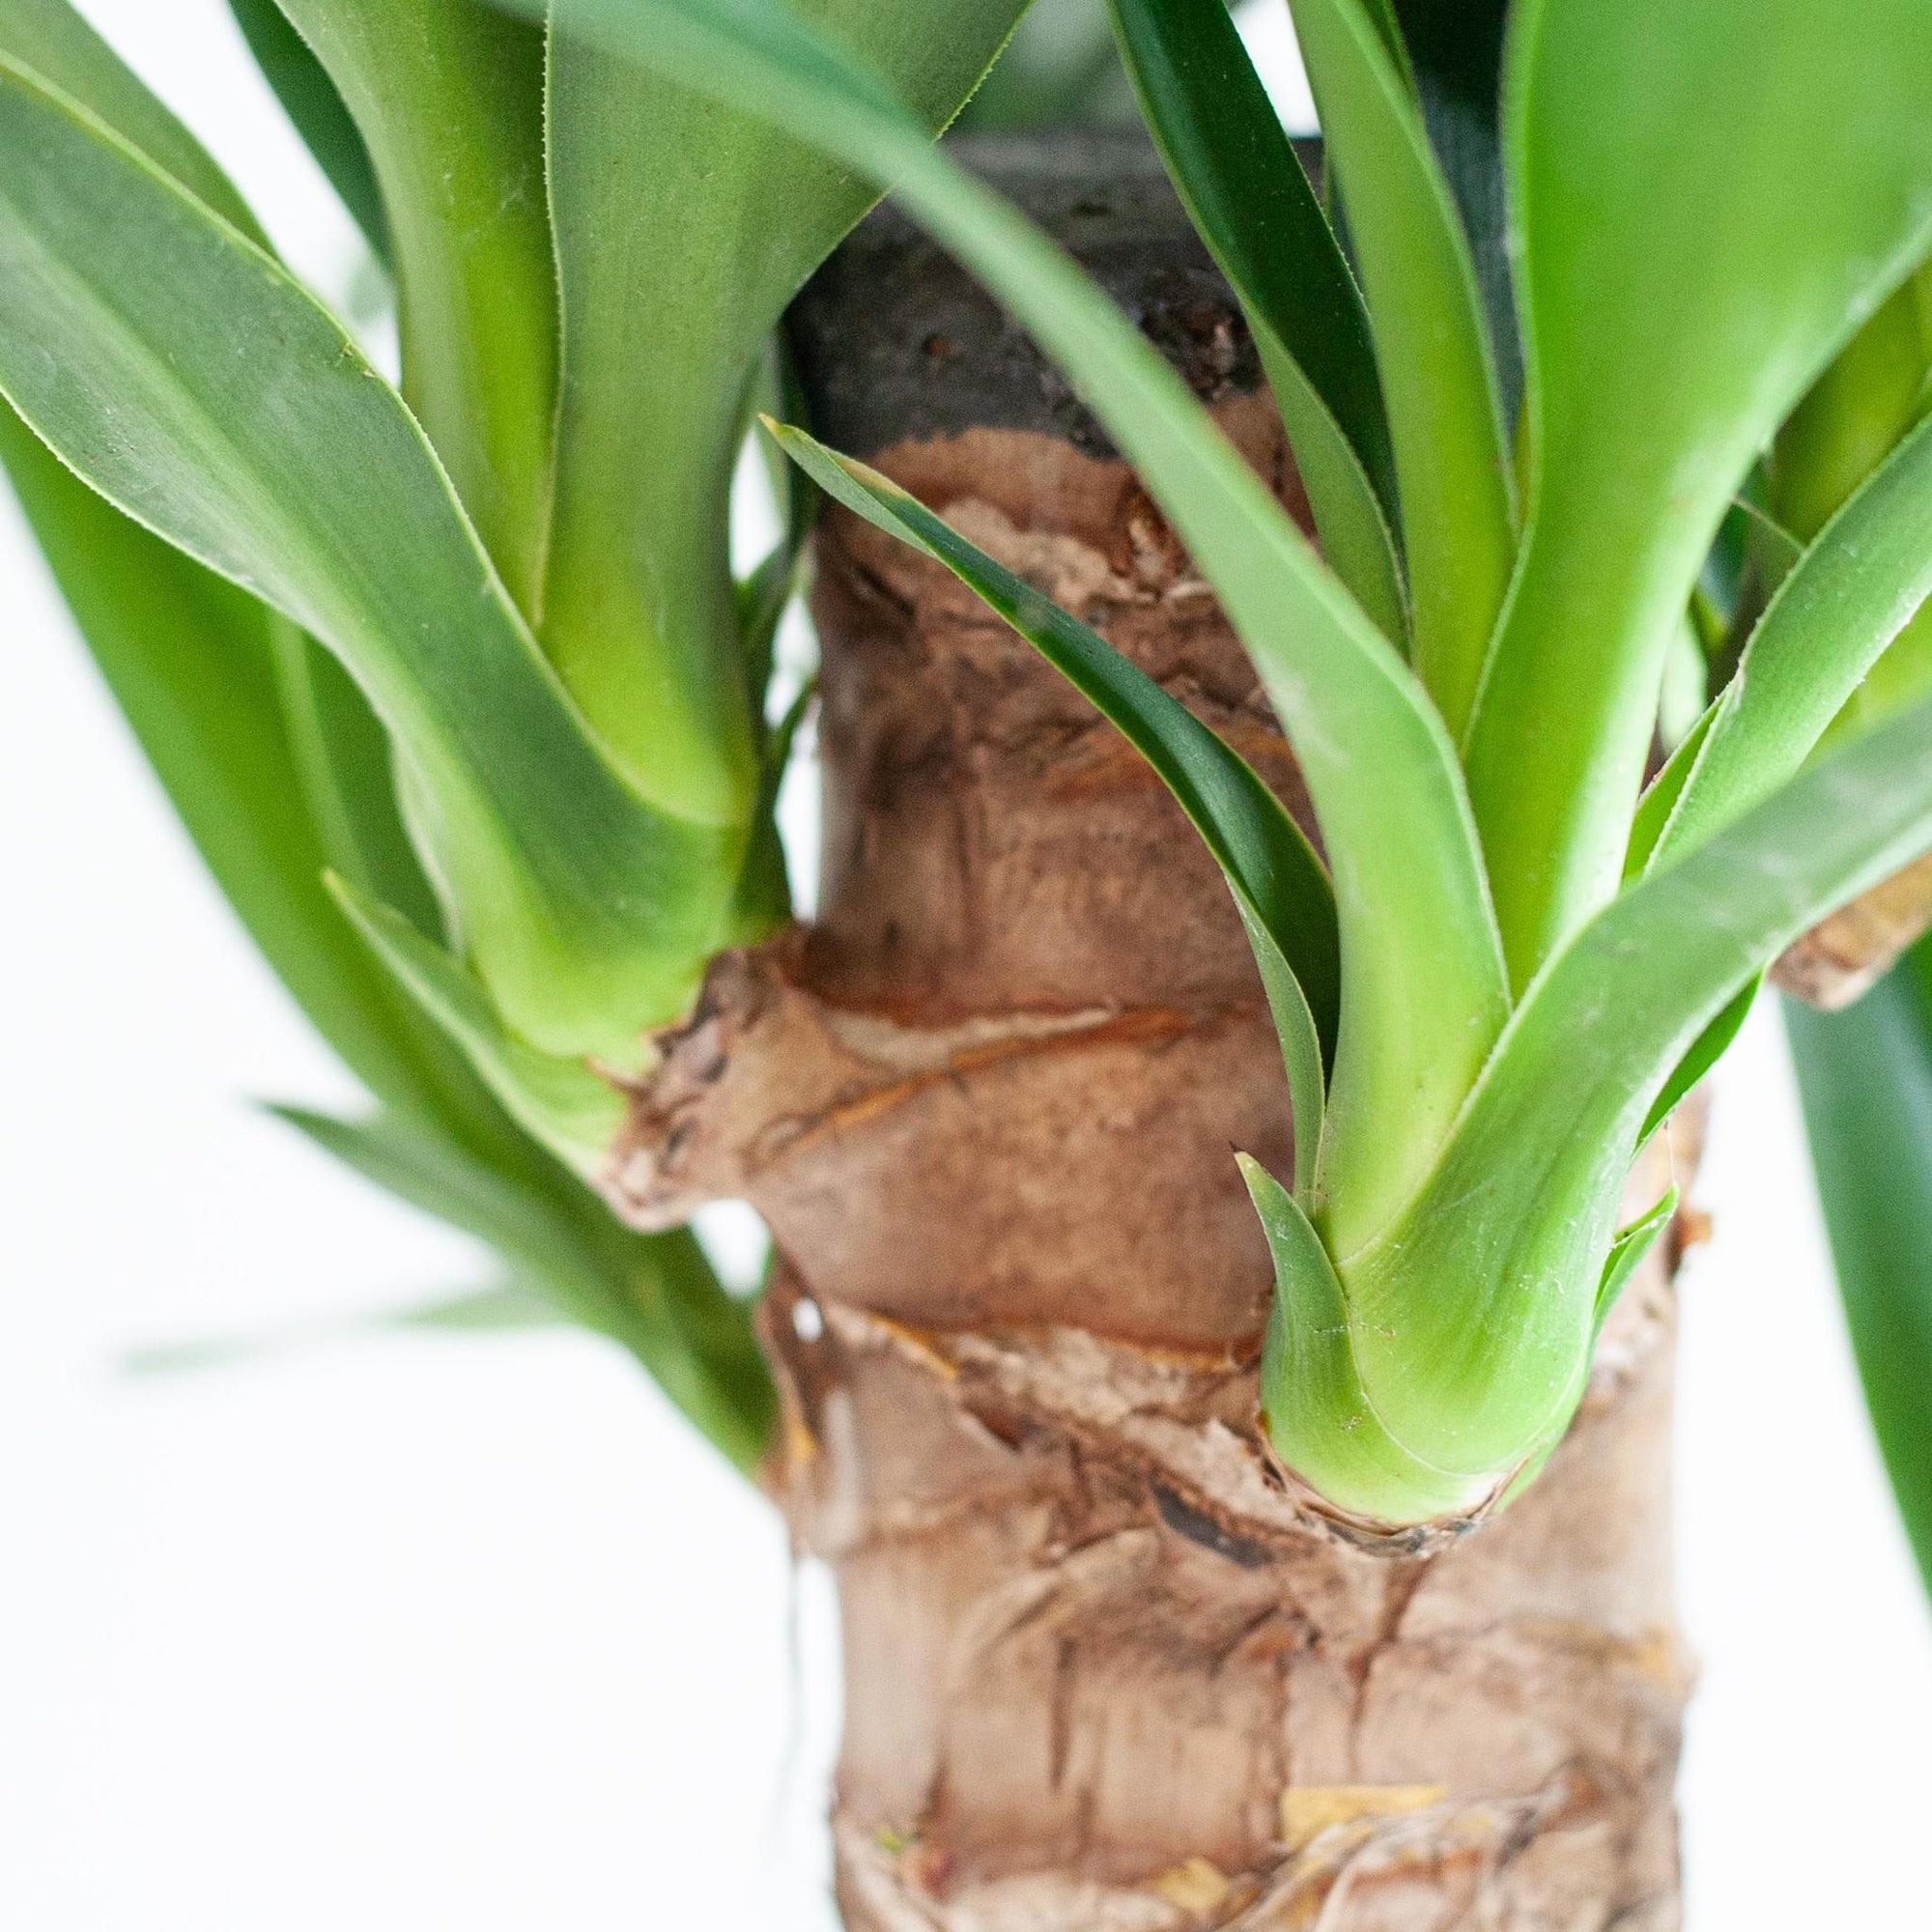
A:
(1106, 1666)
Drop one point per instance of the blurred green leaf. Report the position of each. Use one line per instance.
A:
(200, 388)
(266, 748)
(1700, 229)
(167, 635)
(312, 103)
(1059, 70)
(655, 1294)
(525, 1226)
(1245, 192)
(1871, 393)
(1286, 900)
(502, 1307)
(279, 769)
(1865, 1077)
(1451, 454)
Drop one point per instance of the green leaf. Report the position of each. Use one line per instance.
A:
(504, 1306)
(1626, 1253)
(427, 1171)
(1245, 192)
(1660, 797)
(166, 633)
(560, 1102)
(707, 222)
(318, 112)
(199, 388)
(1451, 453)
(1866, 1078)
(1710, 1046)
(1455, 50)
(1285, 899)
(348, 777)
(48, 39)
(271, 793)
(1421, 970)
(1697, 237)
(1473, 1308)
(448, 96)
(655, 1294)
(1871, 394)
(1318, 1415)
(1839, 606)
(764, 886)
(1059, 70)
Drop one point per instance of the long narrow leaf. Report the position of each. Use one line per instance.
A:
(278, 769)
(1490, 1275)
(1627, 1252)
(1706, 1050)
(448, 96)
(348, 779)
(655, 1294)
(1455, 50)
(1283, 894)
(560, 1102)
(1245, 192)
(170, 636)
(49, 38)
(267, 750)
(501, 1307)
(698, 224)
(315, 107)
(1423, 979)
(1059, 70)
(1451, 453)
(1850, 594)
(183, 373)
(166, 633)
(1871, 394)
(1865, 1077)
(1698, 229)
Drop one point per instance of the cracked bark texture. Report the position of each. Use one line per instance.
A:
(1107, 1667)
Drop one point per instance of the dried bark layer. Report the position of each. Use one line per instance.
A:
(1107, 1670)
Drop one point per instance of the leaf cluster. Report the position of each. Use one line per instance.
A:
(1539, 944)
(448, 677)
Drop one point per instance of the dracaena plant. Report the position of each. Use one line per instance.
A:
(1549, 403)
(449, 677)
(1602, 356)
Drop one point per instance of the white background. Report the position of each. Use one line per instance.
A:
(408, 1633)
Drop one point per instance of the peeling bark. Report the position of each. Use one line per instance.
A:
(1108, 1666)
